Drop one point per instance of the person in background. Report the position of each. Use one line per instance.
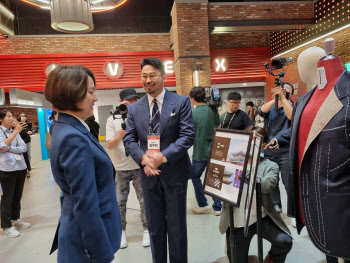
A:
(166, 166)
(234, 118)
(53, 118)
(24, 136)
(127, 169)
(274, 228)
(259, 120)
(278, 125)
(89, 228)
(251, 111)
(13, 172)
(28, 132)
(93, 125)
(206, 119)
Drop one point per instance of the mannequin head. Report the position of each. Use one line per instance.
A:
(307, 64)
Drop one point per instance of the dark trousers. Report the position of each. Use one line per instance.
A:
(283, 163)
(12, 184)
(198, 168)
(281, 243)
(165, 207)
(335, 260)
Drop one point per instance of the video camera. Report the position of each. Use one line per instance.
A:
(277, 63)
(212, 97)
(121, 110)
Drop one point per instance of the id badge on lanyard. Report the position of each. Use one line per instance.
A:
(153, 142)
(17, 156)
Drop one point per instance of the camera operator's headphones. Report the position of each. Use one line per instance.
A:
(288, 95)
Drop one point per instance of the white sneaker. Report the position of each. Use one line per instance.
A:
(201, 210)
(146, 242)
(123, 242)
(11, 232)
(217, 213)
(19, 223)
(293, 222)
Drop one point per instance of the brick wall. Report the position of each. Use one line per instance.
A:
(190, 36)
(32, 114)
(83, 44)
(238, 40)
(260, 11)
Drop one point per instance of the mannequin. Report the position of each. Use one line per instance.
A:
(320, 151)
(307, 64)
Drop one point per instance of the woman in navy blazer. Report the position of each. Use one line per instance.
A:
(89, 228)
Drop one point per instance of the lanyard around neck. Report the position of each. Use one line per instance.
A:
(7, 137)
(228, 126)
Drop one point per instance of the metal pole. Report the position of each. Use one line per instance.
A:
(259, 220)
(232, 236)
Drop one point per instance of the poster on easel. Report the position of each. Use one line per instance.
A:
(227, 165)
(253, 164)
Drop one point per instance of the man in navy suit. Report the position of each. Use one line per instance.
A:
(159, 133)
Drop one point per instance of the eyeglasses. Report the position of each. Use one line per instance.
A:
(151, 76)
(287, 88)
(234, 102)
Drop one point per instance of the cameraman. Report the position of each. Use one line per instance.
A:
(278, 126)
(127, 169)
(206, 119)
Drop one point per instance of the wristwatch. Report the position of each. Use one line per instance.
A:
(165, 160)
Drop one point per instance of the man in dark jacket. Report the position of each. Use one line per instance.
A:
(278, 126)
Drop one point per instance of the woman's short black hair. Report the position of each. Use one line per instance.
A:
(198, 94)
(67, 85)
(155, 62)
(250, 103)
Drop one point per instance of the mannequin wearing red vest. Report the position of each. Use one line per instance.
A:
(320, 159)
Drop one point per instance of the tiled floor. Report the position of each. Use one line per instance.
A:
(40, 207)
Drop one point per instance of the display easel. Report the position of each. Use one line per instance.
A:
(258, 226)
(259, 219)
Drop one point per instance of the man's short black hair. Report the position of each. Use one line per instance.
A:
(250, 103)
(155, 62)
(198, 93)
(234, 96)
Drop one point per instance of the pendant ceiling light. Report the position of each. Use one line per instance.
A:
(74, 16)
(71, 16)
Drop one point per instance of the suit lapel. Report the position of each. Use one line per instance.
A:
(144, 111)
(167, 108)
(74, 122)
(330, 107)
(93, 139)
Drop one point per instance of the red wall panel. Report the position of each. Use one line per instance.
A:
(244, 64)
(28, 71)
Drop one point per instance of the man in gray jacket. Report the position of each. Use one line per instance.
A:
(273, 227)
